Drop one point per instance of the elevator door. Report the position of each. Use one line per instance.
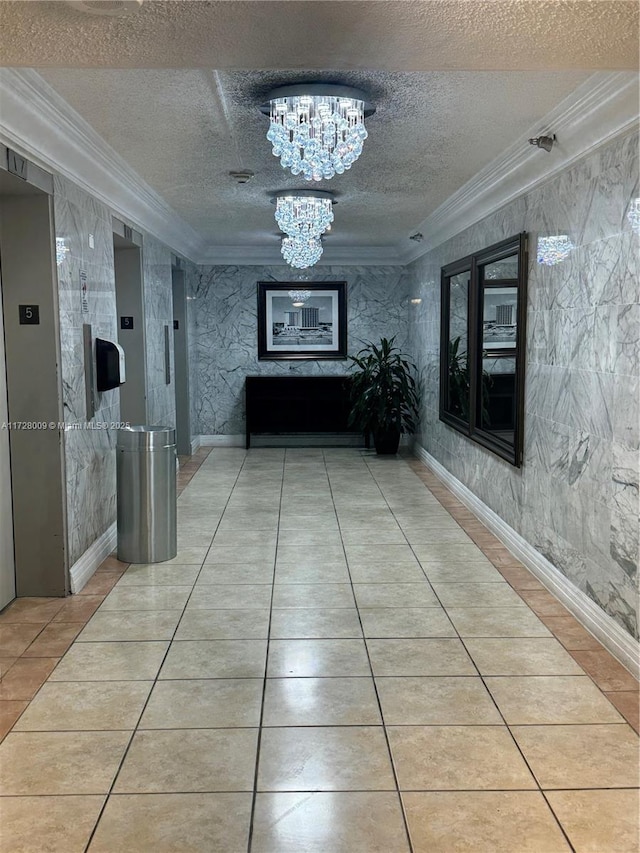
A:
(7, 562)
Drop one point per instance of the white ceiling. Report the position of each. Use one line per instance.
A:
(454, 83)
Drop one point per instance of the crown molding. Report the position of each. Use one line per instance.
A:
(40, 125)
(332, 255)
(603, 107)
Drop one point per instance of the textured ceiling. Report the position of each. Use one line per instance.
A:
(455, 82)
(400, 35)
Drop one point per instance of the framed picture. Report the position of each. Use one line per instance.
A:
(499, 318)
(302, 320)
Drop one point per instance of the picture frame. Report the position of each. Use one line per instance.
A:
(315, 327)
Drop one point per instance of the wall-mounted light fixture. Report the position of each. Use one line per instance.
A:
(545, 142)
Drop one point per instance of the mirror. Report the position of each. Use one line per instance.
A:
(482, 346)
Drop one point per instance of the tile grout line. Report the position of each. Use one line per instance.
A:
(254, 796)
(145, 704)
(373, 680)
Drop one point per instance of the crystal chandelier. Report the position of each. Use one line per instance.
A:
(633, 215)
(301, 252)
(553, 250)
(317, 130)
(299, 297)
(303, 213)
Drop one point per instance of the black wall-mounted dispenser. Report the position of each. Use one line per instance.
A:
(110, 372)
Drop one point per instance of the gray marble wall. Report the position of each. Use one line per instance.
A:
(192, 278)
(576, 497)
(158, 307)
(89, 453)
(225, 307)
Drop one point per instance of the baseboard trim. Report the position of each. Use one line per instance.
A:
(222, 440)
(603, 627)
(195, 443)
(84, 568)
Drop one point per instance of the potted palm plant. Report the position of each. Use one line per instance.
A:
(384, 394)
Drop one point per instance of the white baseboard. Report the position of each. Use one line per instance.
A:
(222, 440)
(83, 569)
(196, 442)
(612, 636)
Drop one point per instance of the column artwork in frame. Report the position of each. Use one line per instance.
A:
(302, 320)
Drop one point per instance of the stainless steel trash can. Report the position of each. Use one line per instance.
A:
(146, 494)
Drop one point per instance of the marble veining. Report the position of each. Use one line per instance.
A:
(575, 499)
(225, 308)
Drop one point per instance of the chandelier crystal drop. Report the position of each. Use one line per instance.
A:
(299, 297)
(633, 215)
(304, 216)
(301, 252)
(553, 250)
(317, 130)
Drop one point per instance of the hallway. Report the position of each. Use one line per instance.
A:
(413, 700)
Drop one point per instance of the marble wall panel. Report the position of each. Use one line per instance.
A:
(89, 452)
(158, 306)
(575, 499)
(225, 309)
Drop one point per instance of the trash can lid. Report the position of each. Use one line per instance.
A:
(146, 438)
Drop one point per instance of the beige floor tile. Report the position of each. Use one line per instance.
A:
(320, 702)
(204, 704)
(444, 535)
(386, 573)
(194, 554)
(395, 595)
(85, 706)
(371, 536)
(215, 659)
(431, 758)
(497, 622)
(327, 573)
(452, 572)
(525, 656)
(447, 551)
(599, 821)
(145, 625)
(321, 822)
(319, 623)
(52, 824)
(247, 537)
(482, 822)
(111, 662)
(25, 678)
(193, 539)
(55, 639)
(159, 575)
(322, 522)
(174, 823)
(227, 596)
(298, 595)
(312, 555)
(477, 595)
(146, 598)
(224, 625)
(325, 759)
(241, 553)
(594, 756)
(309, 539)
(78, 608)
(317, 658)
(362, 555)
(189, 761)
(551, 699)
(422, 701)
(50, 763)
(406, 622)
(236, 573)
(416, 656)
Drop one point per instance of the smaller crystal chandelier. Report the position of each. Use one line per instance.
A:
(317, 129)
(303, 213)
(299, 297)
(633, 215)
(301, 252)
(553, 250)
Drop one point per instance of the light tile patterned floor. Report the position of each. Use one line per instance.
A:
(341, 659)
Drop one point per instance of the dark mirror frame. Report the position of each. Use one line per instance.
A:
(474, 265)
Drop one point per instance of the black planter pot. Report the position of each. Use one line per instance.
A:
(387, 442)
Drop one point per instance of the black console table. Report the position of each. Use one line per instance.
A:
(288, 404)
